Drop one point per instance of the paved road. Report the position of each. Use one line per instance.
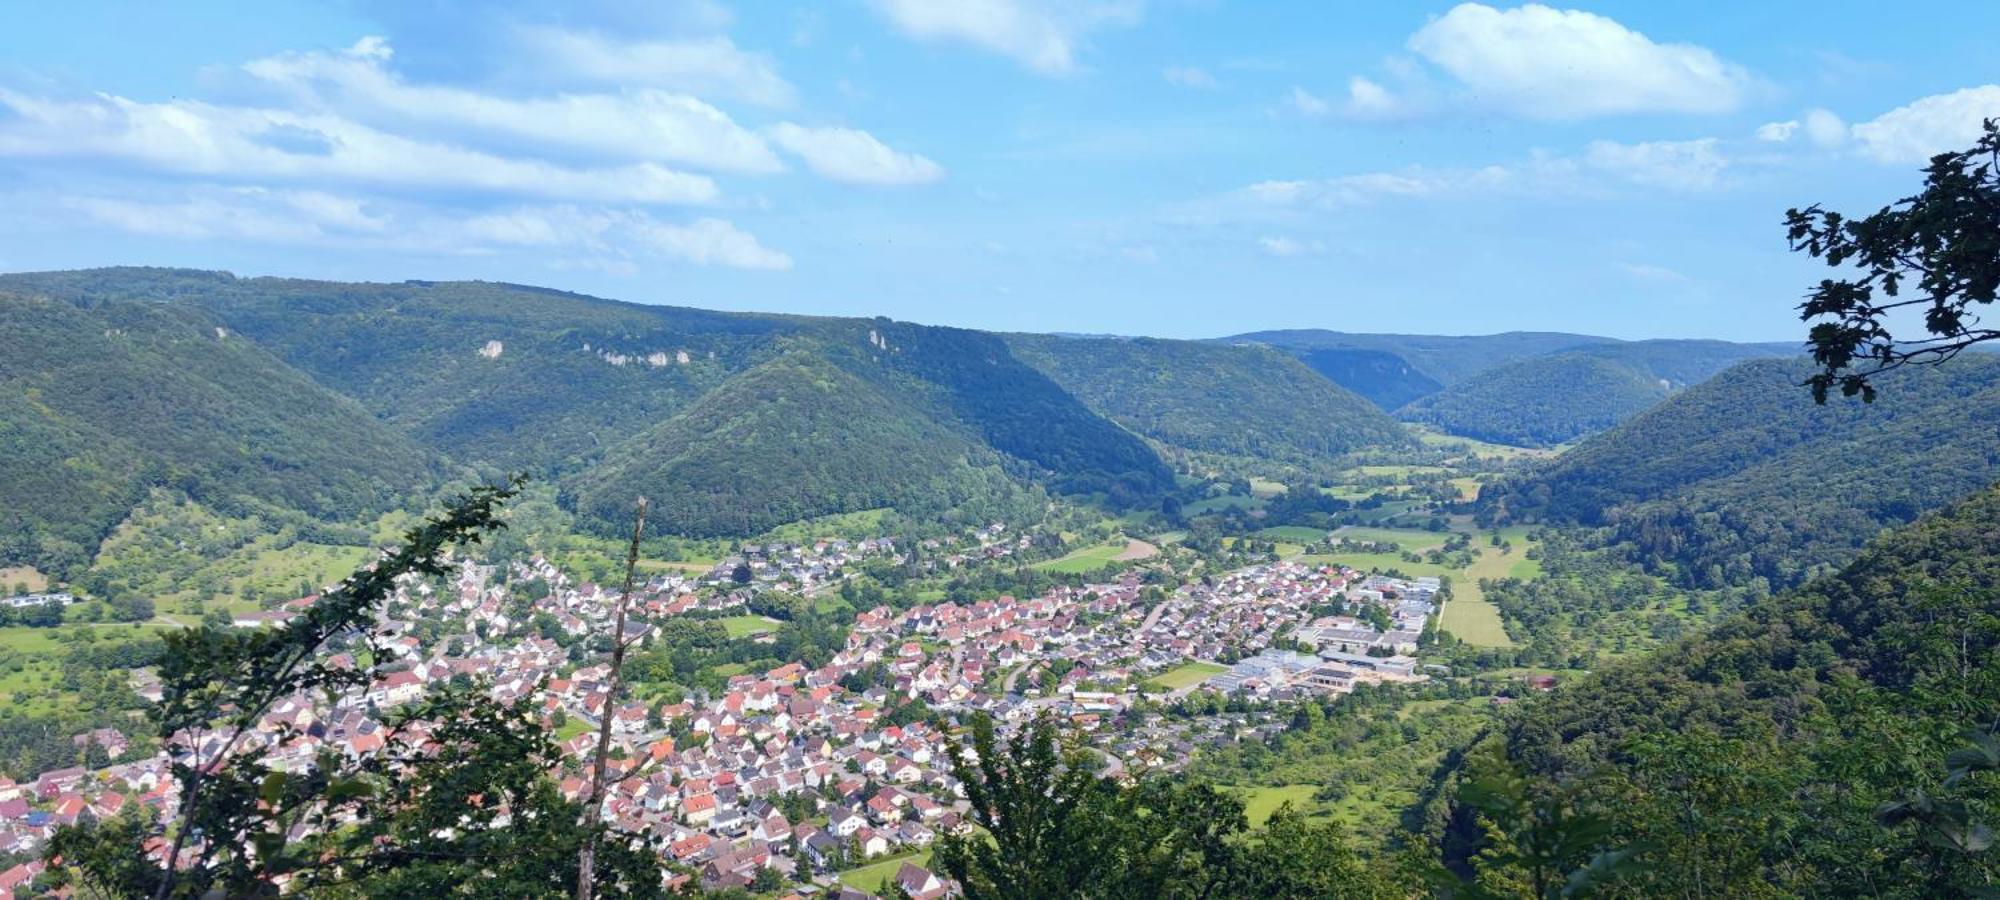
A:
(1008, 686)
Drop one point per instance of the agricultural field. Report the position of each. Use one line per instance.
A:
(1086, 559)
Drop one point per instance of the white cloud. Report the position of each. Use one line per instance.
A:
(851, 155)
(1366, 99)
(1188, 76)
(1677, 165)
(1040, 34)
(1140, 254)
(644, 124)
(1353, 190)
(1285, 247)
(1543, 63)
(1777, 132)
(253, 214)
(1306, 104)
(1927, 127)
(1824, 128)
(568, 235)
(191, 137)
(1650, 272)
(712, 242)
(712, 66)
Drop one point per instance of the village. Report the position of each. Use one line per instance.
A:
(789, 775)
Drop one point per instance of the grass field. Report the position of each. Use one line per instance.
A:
(1260, 802)
(1223, 503)
(1468, 616)
(24, 577)
(1087, 559)
(745, 626)
(1264, 487)
(23, 639)
(857, 524)
(1412, 539)
(1186, 674)
(1296, 534)
(870, 877)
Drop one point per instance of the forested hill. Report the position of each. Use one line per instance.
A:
(1539, 402)
(1765, 751)
(1445, 359)
(1211, 398)
(1743, 476)
(365, 381)
(101, 400)
(1523, 388)
(792, 438)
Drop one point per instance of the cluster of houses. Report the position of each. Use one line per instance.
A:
(43, 598)
(798, 769)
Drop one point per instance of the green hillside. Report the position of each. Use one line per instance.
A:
(1385, 379)
(101, 401)
(1211, 398)
(1763, 752)
(1738, 478)
(563, 375)
(1539, 402)
(793, 438)
(505, 377)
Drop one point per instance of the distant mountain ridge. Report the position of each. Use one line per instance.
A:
(1525, 388)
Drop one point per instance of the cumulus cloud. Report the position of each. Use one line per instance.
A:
(1540, 62)
(1777, 132)
(1366, 100)
(642, 124)
(1307, 104)
(711, 242)
(1042, 35)
(1927, 127)
(1676, 165)
(191, 137)
(850, 155)
(711, 66)
(1824, 128)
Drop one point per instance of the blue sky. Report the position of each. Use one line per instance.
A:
(1184, 168)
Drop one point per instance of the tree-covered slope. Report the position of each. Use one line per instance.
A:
(1539, 402)
(100, 401)
(513, 377)
(1212, 398)
(1742, 476)
(1018, 410)
(1763, 752)
(1385, 379)
(792, 438)
(504, 375)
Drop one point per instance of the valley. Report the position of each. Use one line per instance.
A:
(1206, 561)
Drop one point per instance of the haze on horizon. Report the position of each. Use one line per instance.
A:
(1177, 168)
